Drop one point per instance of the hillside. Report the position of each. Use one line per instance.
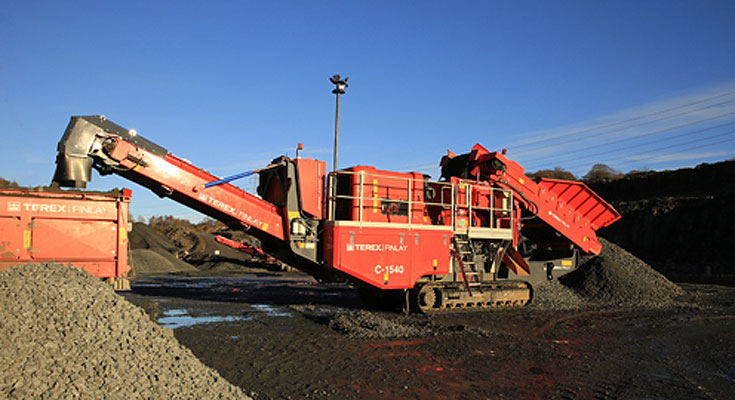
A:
(681, 222)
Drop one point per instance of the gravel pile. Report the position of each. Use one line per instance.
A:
(369, 325)
(616, 277)
(151, 262)
(155, 254)
(144, 237)
(68, 335)
(183, 250)
(553, 295)
(613, 278)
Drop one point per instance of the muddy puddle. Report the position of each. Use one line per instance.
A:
(174, 318)
(178, 317)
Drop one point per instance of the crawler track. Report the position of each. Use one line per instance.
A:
(435, 297)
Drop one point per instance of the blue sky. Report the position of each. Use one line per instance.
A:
(230, 85)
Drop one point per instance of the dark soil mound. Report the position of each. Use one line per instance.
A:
(68, 335)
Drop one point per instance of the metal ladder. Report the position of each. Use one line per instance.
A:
(464, 253)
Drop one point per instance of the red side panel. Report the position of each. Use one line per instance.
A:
(311, 186)
(73, 240)
(580, 200)
(86, 229)
(387, 258)
(11, 237)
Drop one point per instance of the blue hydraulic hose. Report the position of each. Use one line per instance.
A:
(230, 178)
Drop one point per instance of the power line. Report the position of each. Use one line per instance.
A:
(599, 127)
(587, 130)
(625, 127)
(627, 162)
(642, 159)
(591, 155)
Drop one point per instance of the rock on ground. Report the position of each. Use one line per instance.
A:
(154, 254)
(68, 335)
(152, 262)
(553, 295)
(185, 250)
(370, 325)
(616, 277)
(613, 278)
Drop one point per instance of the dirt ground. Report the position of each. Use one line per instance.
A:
(617, 330)
(280, 336)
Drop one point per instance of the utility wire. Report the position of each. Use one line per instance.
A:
(587, 130)
(547, 146)
(628, 162)
(606, 145)
(658, 149)
(599, 127)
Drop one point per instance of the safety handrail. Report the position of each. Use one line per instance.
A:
(494, 214)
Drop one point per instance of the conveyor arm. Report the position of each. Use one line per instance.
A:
(92, 141)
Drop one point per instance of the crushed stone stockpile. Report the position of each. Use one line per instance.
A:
(68, 335)
(369, 325)
(372, 325)
(613, 278)
(196, 243)
(181, 250)
(553, 295)
(154, 253)
(151, 262)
